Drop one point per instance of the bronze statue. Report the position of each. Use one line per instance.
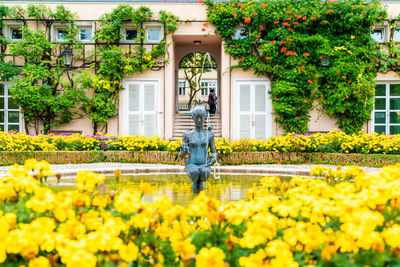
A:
(196, 143)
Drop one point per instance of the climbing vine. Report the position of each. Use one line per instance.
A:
(285, 40)
(7, 69)
(38, 87)
(115, 62)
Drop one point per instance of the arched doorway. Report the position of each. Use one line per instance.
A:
(197, 75)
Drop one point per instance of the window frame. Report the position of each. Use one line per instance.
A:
(387, 109)
(6, 110)
(208, 87)
(153, 25)
(385, 32)
(123, 30)
(54, 32)
(86, 25)
(9, 27)
(184, 87)
(235, 36)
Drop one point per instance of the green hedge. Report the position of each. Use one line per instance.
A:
(234, 158)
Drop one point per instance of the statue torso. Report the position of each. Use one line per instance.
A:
(198, 144)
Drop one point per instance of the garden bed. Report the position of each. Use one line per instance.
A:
(233, 158)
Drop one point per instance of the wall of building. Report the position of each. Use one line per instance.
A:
(181, 43)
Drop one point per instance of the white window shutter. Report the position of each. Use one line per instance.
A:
(149, 111)
(259, 124)
(134, 97)
(260, 98)
(134, 124)
(245, 100)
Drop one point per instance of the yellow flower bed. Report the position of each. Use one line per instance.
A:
(346, 218)
(332, 142)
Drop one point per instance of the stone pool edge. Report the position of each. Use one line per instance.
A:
(239, 169)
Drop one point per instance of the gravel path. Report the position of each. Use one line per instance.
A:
(69, 170)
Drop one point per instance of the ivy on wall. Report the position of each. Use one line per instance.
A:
(7, 69)
(388, 57)
(115, 62)
(45, 98)
(285, 40)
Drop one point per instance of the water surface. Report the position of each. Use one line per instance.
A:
(177, 187)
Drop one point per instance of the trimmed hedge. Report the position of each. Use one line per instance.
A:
(234, 158)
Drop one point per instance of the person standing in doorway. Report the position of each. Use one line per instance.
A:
(212, 101)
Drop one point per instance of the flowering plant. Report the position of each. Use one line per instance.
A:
(286, 40)
(353, 221)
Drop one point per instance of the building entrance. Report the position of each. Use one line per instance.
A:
(197, 77)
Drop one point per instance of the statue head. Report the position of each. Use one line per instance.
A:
(198, 115)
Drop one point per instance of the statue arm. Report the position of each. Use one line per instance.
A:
(185, 146)
(213, 150)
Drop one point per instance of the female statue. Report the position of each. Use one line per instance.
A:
(196, 143)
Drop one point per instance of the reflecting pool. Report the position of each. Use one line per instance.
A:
(177, 187)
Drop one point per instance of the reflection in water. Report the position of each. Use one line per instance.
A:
(177, 187)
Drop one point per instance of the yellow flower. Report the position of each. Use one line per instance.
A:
(129, 252)
(145, 188)
(210, 257)
(39, 262)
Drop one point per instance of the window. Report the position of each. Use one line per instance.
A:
(206, 86)
(16, 34)
(9, 112)
(396, 35)
(182, 88)
(387, 109)
(239, 34)
(129, 34)
(85, 31)
(154, 32)
(377, 35)
(61, 34)
(380, 33)
(85, 34)
(14, 31)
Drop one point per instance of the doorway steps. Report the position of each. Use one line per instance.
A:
(184, 122)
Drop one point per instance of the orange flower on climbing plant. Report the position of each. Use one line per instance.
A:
(254, 14)
(297, 118)
(247, 20)
(277, 116)
(235, 15)
(205, 25)
(241, 59)
(203, 29)
(306, 54)
(267, 58)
